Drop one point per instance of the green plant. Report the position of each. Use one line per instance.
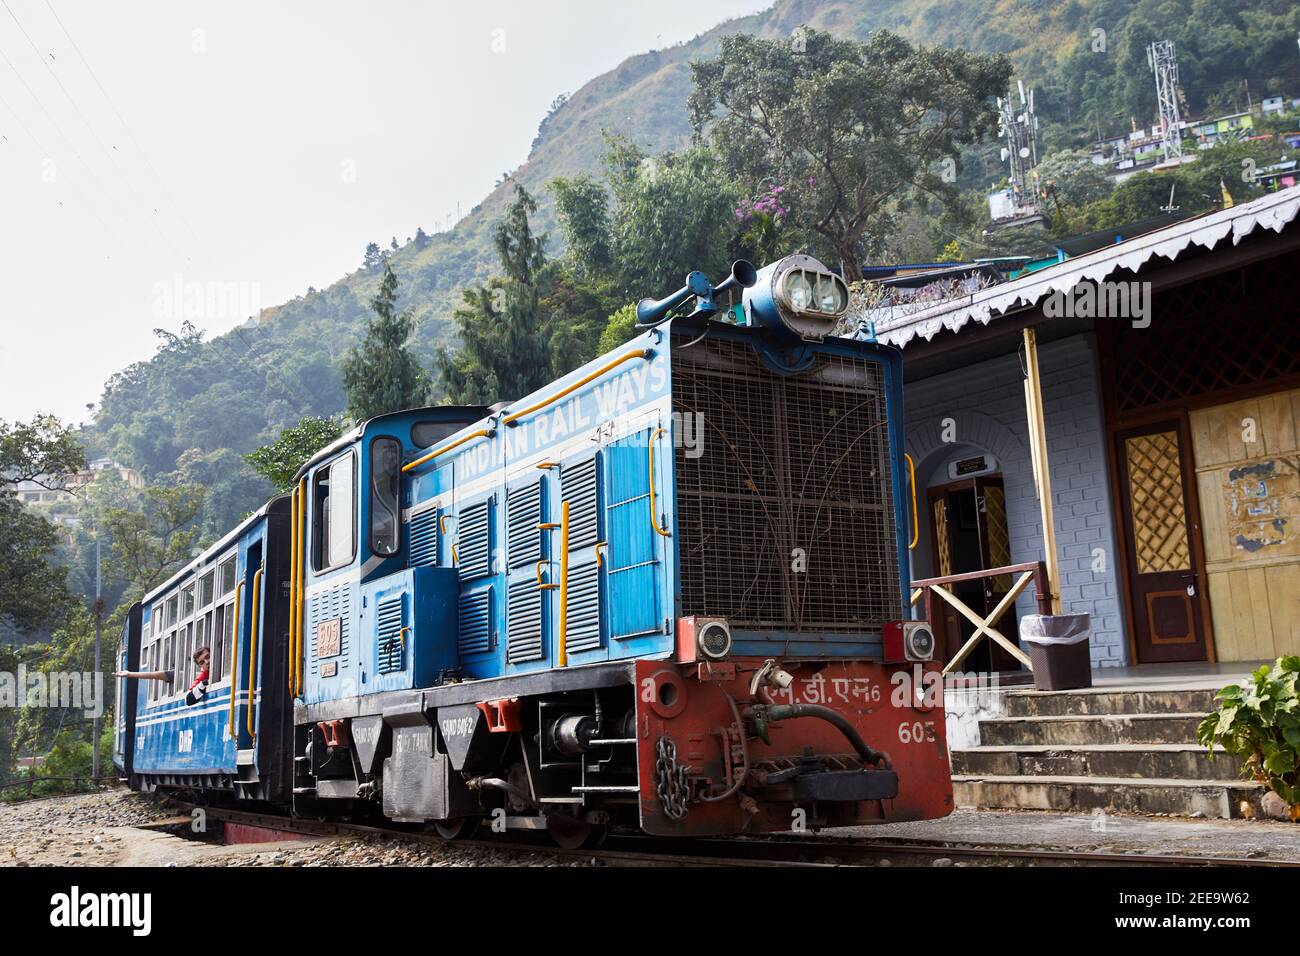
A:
(1260, 722)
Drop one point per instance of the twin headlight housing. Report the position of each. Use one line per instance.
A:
(797, 294)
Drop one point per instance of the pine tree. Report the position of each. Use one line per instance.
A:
(381, 375)
(503, 329)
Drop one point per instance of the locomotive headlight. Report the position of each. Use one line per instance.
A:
(714, 640)
(829, 295)
(920, 643)
(799, 290)
(797, 296)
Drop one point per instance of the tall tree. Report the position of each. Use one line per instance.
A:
(43, 451)
(279, 461)
(503, 328)
(851, 131)
(33, 586)
(151, 542)
(671, 215)
(381, 375)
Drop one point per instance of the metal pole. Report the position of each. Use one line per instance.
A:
(99, 619)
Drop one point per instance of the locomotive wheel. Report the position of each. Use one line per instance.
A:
(461, 828)
(574, 835)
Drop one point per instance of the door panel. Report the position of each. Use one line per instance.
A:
(970, 534)
(1163, 577)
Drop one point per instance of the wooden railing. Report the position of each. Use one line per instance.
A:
(937, 589)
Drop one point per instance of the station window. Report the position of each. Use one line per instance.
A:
(333, 514)
(385, 475)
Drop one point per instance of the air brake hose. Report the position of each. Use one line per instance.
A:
(868, 754)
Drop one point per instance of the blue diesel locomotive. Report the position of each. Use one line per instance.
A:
(666, 591)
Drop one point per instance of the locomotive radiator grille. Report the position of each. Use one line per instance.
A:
(785, 508)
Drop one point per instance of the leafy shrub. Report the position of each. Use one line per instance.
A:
(1260, 722)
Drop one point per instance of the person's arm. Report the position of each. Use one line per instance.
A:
(198, 689)
(144, 675)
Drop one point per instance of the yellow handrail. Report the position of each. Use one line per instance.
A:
(625, 357)
(290, 671)
(252, 650)
(300, 570)
(481, 433)
(654, 520)
(234, 662)
(562, 658)
(916, 518)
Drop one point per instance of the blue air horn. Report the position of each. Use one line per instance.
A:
(650, 313)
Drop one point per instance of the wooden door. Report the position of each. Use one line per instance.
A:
(969, 528)
(1161, 556)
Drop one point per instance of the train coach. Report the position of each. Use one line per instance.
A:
(667, 591)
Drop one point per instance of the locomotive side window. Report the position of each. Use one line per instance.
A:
(428, 434)
(385, 472)
(334, 514)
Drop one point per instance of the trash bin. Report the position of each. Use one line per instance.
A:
(1057, 645)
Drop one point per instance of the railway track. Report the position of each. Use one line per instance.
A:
(801, 851)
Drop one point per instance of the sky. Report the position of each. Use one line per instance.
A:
(240, 151)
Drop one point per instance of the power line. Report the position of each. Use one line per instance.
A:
(162, 185)
(46, 153)
(50, 119)
(133, 194)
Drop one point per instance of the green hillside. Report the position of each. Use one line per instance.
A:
(192, 409)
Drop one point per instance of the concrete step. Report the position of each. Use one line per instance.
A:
(1097, 701)
(1217, 799)
(1157, 761)
(1109, 729)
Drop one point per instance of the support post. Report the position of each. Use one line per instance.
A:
(1041, 466)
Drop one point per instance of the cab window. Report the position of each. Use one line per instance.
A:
(385, 473)
(334, 513)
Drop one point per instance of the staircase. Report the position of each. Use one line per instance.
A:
(1132, 751)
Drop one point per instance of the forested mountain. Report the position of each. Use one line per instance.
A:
(192, 410)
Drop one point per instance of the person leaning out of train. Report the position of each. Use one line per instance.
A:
(202, 659)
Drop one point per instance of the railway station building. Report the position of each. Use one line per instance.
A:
(1170, 371)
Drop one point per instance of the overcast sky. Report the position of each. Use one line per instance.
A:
(256, 146)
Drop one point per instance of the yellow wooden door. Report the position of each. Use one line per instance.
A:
(1247, 458)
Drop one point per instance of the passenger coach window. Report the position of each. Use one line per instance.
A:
(334, 519)
(385, 470)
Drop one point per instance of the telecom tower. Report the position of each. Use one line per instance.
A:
(1164, 64)
(1020, 130)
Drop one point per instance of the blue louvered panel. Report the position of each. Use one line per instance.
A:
(631, 563)
(424, 538)
(473, 541)
(476, 622)
(578, 488)
(524, 622)
(523, 514)
(323, 606)
(582, 624)
(389, 653)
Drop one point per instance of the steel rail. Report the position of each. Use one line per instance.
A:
(778, 850)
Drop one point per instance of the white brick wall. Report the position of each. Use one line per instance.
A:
(987, 403)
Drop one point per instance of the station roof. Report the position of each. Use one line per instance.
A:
(1273, 211)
